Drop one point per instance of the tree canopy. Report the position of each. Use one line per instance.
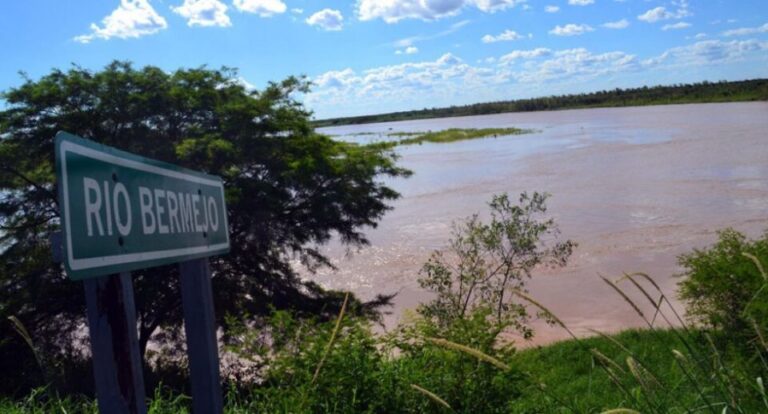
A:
(288, 189)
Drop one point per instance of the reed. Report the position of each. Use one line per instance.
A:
(607, 361)
(682, 362)
(544, 309)
(643, 376)
(470, 351)
(332, 340)
(761, 390)
(432, 396)
(757, 262)
(628, 300)
(19, 327)
(722, 385)
(326, 352)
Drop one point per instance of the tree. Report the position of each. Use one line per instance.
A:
(288, 189)
(486, 262)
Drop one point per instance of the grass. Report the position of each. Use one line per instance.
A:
(572, 371)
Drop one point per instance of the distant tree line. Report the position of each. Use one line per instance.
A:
(723, 91)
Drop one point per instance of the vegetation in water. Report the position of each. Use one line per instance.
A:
(444, 136)
(725, 91)
(455, 134)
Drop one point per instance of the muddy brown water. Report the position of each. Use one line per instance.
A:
(635, 187)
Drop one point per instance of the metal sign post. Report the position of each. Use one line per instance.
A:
(122, 212)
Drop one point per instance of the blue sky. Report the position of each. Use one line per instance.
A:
(372, 56)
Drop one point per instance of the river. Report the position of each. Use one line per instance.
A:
(635, 187)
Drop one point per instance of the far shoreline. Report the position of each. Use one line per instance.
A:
(755, 90)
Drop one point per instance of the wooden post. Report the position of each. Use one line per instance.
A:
(117, 367)
(202, 345)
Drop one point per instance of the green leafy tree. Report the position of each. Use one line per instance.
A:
(486, 262)
(725, 289)
(288, 190)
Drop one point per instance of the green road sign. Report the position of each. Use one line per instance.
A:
(121, 212)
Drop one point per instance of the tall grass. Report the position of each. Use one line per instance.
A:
(719, 379)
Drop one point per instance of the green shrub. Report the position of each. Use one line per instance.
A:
(487, 262)
(288, 353)
(467, 383)
(725, 289)
(365, 373)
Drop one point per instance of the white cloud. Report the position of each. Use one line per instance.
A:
(552, 9)
(297, 10)
(490, 6)
(392, 11)
(410, 50)
(700, 36)
(661, 13)
(743, 31)
(396, 81)
(505, 36)
(521, 73)
(264, 8)
(709, 52)
(571, 30)
(336, 79)
(580, 2)
(203, 13)
(524, 55)
(619, 24)
(133, 18)
(577, 63)
(327, 19)
(656, 14)
(449, 80)
(408, 41)
(245, 84)
(676, 26)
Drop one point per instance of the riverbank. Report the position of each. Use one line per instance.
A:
(704, 92)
